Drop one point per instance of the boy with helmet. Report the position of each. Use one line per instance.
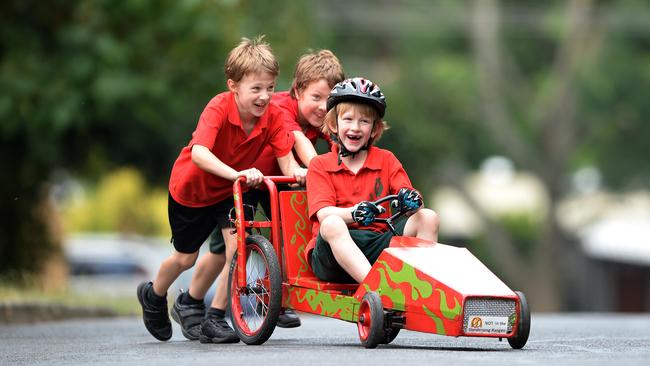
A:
(232, 132)
(341, 185)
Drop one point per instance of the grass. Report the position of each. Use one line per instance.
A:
(120, 305)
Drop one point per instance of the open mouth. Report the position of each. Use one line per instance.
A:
(260, 106)
(353, 141)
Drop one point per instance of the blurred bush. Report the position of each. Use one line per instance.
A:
(524, 231)
(120, 202)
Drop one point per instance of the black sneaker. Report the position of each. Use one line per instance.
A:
(189, 316)
(217, 330)
(154, 315)
(288, 319)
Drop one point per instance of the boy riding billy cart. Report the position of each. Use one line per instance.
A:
(359, 246)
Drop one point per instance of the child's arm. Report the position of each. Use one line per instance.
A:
(364, 213)
(290, 167)
(304, 148)
(206, 160)
(343, 212)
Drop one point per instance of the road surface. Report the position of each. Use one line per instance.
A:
(562, 339)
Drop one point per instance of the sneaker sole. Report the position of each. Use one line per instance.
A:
(205, 339)
(149, 329)
(292, 324)
(177, 319)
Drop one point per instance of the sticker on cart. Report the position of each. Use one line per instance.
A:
(487, 325)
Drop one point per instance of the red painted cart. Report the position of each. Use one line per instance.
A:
(415, 284)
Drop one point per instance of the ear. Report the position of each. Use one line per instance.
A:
(232, 85)
(297, 93)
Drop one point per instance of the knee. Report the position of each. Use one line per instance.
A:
(332, 226)
(428, 218)
(230, 243)
(185, 261)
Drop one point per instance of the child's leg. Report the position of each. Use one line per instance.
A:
(423, 224)
(205, 273)
(214, 328)
(170, 269)
(335, 232)
(153, 296)
(220, 300)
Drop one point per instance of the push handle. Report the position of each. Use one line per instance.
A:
(240, 222)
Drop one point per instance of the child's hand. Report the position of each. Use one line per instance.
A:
(301, 175)
(253, 177)
(408, 200)
(365, 213)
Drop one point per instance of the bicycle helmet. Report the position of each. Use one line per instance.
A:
(358, 90)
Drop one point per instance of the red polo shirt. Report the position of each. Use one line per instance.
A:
(331, 184)
(267, 163)
(220, 129)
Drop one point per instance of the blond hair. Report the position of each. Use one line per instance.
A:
(314, 66)
(251, 56)
(330, 124)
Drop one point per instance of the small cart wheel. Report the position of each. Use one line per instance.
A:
(254, 309)
(371, 320)
(523, 329)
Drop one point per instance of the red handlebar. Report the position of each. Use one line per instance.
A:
(272, 178)
(240, 225)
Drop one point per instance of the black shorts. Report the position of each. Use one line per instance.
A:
(191, 226)
(371, 243)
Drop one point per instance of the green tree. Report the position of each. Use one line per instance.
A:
(93, 85)
(554, 86)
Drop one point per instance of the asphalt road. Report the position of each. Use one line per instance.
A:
(566, 339)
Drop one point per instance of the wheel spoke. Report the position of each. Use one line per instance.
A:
(257, 291)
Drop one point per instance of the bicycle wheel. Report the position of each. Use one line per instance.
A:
(254, 308)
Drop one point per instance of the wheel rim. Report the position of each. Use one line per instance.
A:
(252, 307)
(365, 320)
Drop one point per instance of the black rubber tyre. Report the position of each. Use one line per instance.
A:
(254, 309)
(371, 320)
(523, 329)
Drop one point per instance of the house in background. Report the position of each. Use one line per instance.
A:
(612, 269)
(615, 272)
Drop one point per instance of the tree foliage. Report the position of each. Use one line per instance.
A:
(89, 86)
(93, 85)
(554, 87)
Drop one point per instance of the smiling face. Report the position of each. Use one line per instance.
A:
(312, 103)
(355, 126)
(252, 94)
